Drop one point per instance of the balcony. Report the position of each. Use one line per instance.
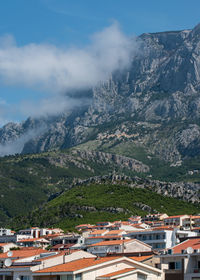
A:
(196, 270)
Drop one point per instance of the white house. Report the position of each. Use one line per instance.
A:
(5, 247)
(100, 268)
(118, 246)
(178, 220)
(161, 238)
(182, 261)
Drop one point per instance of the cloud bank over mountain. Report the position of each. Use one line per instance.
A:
(57, 70)
(59, 73)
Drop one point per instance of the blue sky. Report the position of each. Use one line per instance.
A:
(70, 24)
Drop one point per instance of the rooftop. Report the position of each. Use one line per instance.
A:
(193, 243)
(76, 265)
(119, 272)
(23, 253)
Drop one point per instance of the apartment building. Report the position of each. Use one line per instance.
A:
(182, 262)
(160, 238)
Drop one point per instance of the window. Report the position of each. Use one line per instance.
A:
(175, 265)
(164, 235)
(172, 265)
(25, 277)
(141, 276)
(66, 277)
(78, 276)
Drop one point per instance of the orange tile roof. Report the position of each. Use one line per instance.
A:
(140, 258)
(23, 253)
(52, 235)
(125, 223)
(114, 232)
(84, 225)
(111, 242)
(194, 243)
(104, 237)
(178, 216)
(119, 272)
(151, 229)
(163, 228)
(100, 231)
(195, 217)
(31, 240)
(76, 265)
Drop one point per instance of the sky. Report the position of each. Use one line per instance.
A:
(50, 47)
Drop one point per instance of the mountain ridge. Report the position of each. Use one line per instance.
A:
(161, 85)
(143, 122)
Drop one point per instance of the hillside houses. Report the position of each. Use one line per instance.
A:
(140, 248)
(38, 265)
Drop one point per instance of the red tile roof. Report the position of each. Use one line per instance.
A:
(52, 235)
(141, 258)
(101, 231)
(172, 217)
(105, 237)
(111, 242)
(76, 265)
(23, 253)
(42, 239)
(84, 225)
(194, 243)
(195, 217)
(125, 223)
(4, 244)
(114, 232)
(119, 272)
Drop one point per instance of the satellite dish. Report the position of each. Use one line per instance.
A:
(190, 250)
(9, 254)
(7, 262)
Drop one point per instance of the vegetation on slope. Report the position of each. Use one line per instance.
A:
(98, 202)
(27, 181)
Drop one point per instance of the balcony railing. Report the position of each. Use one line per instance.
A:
(196, 270)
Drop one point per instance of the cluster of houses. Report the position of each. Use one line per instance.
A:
(154, 247)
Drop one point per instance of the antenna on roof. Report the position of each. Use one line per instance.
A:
(9, 254)
(190, 250)
(7, 262)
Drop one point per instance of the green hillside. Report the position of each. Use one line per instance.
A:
(98, 202)
(27, 181)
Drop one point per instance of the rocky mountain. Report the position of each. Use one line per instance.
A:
(139, 129)
(152, 108)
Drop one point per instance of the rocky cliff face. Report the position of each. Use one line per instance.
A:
(185, 191)
(161, 89)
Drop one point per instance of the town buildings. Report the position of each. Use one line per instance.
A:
(153, 247)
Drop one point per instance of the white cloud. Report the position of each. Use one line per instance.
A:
(4, 108)
(50, 106)
(16, 146)
(59, 69)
